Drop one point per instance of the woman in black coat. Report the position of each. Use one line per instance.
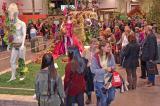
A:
(131, 63)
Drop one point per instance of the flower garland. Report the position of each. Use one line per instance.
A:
(10, 28)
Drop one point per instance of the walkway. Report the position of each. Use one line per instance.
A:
(142, 96)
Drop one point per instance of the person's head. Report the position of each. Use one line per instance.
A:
(145, 23)
(132, 37)
(116, 28)
(104, 47)
(137, 29)
(148, 29)
(93, 43)
(104, 27)
(76, 59)
(73, 52)
(127, 29)
(108, 30)
(47, 60)
(32, 26)
(13, 12)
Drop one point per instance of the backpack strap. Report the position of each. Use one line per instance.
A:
(49, 86)
(56, 85)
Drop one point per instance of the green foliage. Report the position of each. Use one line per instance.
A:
(22, 69)
(10, 29)
(154, 14)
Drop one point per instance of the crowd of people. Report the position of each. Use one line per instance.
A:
(47, 28)
(130, 44)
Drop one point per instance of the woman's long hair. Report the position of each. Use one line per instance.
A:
(103, 44)
(47, 60)
(77, 62)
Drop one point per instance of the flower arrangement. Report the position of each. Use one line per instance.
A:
(10, 28)
(22, 69)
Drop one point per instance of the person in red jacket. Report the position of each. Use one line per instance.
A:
(74, 82)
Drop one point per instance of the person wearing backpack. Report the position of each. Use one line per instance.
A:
(74, 82)
(102, 64)
(48, 85)
(131, 54)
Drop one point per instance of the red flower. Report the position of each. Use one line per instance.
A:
(4, 7)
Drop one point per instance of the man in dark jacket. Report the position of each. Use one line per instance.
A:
(150, 53)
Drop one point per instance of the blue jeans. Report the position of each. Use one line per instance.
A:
(79, 99)
(103, 99)
(32, 35)
(151, 78)
(111, 95)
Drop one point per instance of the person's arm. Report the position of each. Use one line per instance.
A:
(113, 39)
(94, 68)
(36, 31)
(121, 39)
(112, 64)
(37, 92)
(60, 88)
(151, 48)
(24, 34)
(126, 51)
(84, 53)
(67, 75)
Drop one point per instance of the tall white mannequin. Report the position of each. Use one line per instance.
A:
(18, 38)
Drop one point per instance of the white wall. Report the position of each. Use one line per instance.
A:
(27, 5)
(108, 4)
(38, 5)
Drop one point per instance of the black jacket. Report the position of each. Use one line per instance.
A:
(131, 54)
(150, 48)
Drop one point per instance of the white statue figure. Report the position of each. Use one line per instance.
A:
(18, 48)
